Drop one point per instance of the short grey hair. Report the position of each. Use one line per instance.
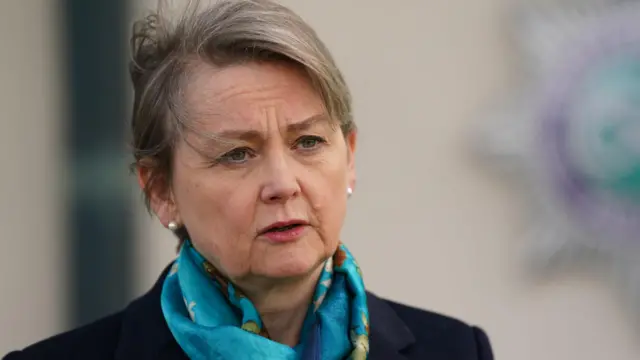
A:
(224, 33)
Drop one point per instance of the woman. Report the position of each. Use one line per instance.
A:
(244, 147)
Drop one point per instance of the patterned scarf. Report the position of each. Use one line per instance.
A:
(211, 319)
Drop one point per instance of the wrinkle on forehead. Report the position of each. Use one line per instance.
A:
(211, 86)
(247, 97)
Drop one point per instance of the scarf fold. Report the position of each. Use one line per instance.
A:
(211, 319)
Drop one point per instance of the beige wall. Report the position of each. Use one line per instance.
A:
(429, 226)
(32, 283)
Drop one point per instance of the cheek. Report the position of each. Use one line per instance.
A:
(329, 213)
(326, 190)
(203, 198)
(218, 216)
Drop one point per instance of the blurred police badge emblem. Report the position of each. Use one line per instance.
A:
(571, 136)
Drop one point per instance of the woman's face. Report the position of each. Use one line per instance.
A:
(282, 161)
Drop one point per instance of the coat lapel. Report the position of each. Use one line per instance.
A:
(145, 334)
(389, 335)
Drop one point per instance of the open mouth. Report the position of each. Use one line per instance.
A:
(283, 227)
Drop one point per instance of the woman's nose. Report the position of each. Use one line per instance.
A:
(280, 182)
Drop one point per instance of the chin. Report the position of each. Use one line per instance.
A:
(292, 261)
(293, 268)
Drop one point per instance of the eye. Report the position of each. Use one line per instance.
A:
(309, 142)
(236, 156)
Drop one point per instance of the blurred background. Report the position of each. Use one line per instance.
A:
(78, 244)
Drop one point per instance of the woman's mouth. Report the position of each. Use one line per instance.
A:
(282, 232)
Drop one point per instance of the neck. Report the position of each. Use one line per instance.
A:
(283, 306)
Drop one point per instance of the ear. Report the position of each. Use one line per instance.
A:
(351, 140)
(161, 199)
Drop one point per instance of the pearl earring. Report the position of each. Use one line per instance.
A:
(349, 191)
(173, 226)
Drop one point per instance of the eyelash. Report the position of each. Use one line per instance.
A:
(225, 158)
(320, 141)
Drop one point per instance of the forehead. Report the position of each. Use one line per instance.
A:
(242, 95)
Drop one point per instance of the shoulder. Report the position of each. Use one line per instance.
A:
(97, 340)
(449, 331)
(437, 336)
(428, 323)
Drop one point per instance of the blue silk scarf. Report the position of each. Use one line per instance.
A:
(211, 319)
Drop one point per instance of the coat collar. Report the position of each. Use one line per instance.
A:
(145, 334)
(389, 335)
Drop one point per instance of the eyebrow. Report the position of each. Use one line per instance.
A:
(291, 128)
